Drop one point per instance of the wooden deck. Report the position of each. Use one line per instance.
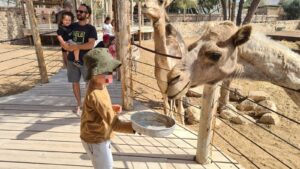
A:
(285, 35)
(38, 130)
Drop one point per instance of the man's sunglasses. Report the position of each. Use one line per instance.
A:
(80, 11)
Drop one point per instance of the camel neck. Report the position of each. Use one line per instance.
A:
(263, 59)
(160, 35)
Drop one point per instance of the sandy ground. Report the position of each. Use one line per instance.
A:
(19, 68)
(19, 72)
(286, 129)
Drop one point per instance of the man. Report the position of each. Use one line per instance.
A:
(84, 35)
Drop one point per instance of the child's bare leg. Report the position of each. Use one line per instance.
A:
(65, 59)
(76, 55)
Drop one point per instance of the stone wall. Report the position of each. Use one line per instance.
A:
(191, 29)
(11, 23)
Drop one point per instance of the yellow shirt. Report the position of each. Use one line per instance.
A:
(98, 119)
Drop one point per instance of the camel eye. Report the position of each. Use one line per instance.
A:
(161, 1)
(214, 56)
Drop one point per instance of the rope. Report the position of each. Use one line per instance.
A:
(149, 64)
(153, 51)
(256, 144)
(228, 142)
(16, 39)
(264, 129)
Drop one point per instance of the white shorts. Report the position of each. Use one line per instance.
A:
(100, 154)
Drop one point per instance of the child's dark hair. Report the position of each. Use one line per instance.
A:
(66, 13)
(88, 8)
(106, 19)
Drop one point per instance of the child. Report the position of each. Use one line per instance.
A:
(112, 48)
(99, 119)
(64, 35)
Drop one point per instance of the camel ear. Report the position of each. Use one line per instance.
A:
(168, 2)
(242, 35)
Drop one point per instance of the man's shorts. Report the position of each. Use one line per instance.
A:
(75, 73)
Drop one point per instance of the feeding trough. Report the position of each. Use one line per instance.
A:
(152, 124)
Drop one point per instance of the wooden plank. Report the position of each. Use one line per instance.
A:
(40, 114)
(24, 165)
(67, 128)
(69, 159)
(42, 136)
(38, 120)
(39, 108)
(46, 146)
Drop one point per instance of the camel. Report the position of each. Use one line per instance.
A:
(225, 51)
(167, 41)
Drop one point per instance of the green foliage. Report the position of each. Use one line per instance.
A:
(185, 4)
(208, 5)
(292, 9)
(248, 3)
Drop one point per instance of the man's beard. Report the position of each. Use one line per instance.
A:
(81, 18)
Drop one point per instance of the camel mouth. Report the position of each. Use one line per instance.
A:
(179, 92)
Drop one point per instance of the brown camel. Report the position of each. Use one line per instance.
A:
(225, 51)
(167, 41)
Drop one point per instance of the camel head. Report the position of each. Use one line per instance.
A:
(211, 59)
(155, 9)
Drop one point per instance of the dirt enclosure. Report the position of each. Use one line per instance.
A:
(19, 68)
(19, 72)
(286, 129)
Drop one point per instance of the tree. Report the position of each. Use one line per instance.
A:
(224, 9)
(233, 6)
(292, 8)
(208, 6)
(185, 4)
(251, 11)
(240, 12)
(247, 3)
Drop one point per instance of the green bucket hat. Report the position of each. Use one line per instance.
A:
(99, 61)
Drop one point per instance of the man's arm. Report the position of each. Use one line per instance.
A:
(86, 46)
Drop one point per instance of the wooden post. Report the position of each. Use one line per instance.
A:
(210, 103)
(140, 21)
(37, 42)
(122, 30)
(110, 11)
(92, 15)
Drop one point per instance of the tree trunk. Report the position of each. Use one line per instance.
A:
(233, 6)
(240, 12)
(229, 10)
(224, 9)
(251, 11)
(184, 13)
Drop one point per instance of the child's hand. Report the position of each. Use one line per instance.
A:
(117, 108)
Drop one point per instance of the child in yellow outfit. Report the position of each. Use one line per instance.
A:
(98, 119)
